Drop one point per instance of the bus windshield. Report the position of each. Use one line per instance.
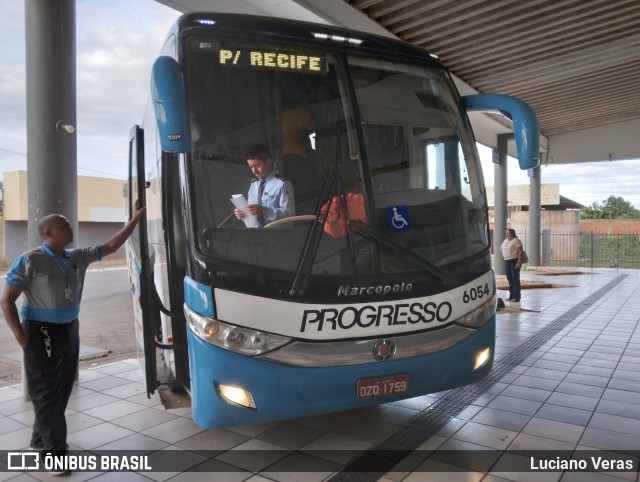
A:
(380, 149)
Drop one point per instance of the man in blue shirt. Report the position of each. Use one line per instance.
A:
(270, 196)
(51, 279)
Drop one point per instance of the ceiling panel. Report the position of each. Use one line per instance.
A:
(576, 62)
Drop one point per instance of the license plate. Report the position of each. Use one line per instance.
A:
(383, 386)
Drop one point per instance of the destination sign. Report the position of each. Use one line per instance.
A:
(274, 60)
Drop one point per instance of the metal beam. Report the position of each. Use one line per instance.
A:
(500, 201)
(615, 141)
(535, 215)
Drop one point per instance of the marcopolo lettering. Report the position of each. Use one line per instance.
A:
(366, 316)
(348, 290)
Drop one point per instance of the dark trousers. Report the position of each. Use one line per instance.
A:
(50, 380)
(513, 277)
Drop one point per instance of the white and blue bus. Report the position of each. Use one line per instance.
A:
(379, 288)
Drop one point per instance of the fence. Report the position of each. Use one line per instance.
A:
(615, 250)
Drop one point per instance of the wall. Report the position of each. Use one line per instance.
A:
(89, 234)
(566, 221)
(15, 199)
(100, 199)
(613, 226)
(101, 212)
(1, 239)
(554, 247)
(570, 222)
(15, 239)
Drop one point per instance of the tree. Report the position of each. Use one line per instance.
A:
(614, 207)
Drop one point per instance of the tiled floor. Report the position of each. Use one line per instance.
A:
(578, 390)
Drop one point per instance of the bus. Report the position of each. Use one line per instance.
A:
(378, 288)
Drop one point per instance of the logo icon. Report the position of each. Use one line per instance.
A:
(398, 218)
(23, 460)
(384, 349)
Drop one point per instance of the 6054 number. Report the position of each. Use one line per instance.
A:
(476, 293)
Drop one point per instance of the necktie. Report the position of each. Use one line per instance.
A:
(260, 192)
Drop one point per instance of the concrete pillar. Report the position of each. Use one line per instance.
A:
(535, 213)
(52, 179)
(51, 112)
(500, 201)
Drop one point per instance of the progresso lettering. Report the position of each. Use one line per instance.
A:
(367, 316)
(270, 59)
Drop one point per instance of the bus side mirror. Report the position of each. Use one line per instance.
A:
(525, 125)
(170, 105)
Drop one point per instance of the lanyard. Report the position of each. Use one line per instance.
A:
(64, 269)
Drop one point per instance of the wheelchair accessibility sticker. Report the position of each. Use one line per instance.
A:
(398, 218)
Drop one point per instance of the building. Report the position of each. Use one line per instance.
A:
(559, 214)
(101, 212)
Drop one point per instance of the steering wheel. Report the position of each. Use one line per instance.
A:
(291, 219)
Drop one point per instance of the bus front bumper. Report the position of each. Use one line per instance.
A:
(274, 391)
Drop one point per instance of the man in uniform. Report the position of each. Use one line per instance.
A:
(51, 279)
(270, 196)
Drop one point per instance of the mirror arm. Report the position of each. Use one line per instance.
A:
(525, 124)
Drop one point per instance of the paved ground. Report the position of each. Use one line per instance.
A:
(564, 387)
(106, 322)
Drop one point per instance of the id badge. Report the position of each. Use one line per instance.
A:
(68, 294)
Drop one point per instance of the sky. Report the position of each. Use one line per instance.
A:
(117, 41)
(585, 183)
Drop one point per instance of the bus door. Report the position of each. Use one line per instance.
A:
(140, 265)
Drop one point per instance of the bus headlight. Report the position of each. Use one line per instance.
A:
(211, 329)
(479, 316)
(234, 338)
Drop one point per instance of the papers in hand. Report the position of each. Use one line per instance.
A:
(250, 220)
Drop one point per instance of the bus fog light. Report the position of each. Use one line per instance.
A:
(482, 358)
(237, 395)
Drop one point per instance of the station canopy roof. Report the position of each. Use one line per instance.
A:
(576, 62)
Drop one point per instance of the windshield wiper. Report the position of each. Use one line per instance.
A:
(314, 235)
(433, 269)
